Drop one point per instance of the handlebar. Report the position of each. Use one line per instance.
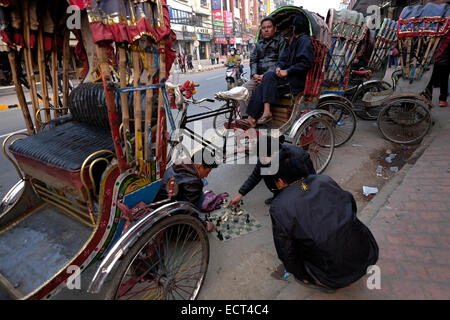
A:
(193, 101)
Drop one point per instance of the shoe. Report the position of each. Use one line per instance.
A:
(310, 285)
(280, 273)
(443, 104)
(268, 201)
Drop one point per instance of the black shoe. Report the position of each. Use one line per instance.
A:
(268, 201)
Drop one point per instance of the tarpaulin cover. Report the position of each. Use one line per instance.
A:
(424, 20)
(285, 15)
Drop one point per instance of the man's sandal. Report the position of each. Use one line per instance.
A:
(264, 120)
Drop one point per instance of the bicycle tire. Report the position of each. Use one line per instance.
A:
(138, 249)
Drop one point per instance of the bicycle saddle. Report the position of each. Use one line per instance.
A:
(236, 93)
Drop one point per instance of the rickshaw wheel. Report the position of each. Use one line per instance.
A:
(363, 112)
(168, 262)
(12, 197)
(345, 120)
(316, 136)
(404, 120)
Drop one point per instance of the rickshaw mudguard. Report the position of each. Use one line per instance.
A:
(331, 96)
(407, 95)
(135, 231)
(305, 117)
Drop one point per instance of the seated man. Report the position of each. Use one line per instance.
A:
(292, 68)
(189, 178)
(264, 161)
(316, 232)
(264, 57)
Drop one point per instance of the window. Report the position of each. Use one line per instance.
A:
(181, 17)
(204, 3)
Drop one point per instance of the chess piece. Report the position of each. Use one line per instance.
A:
(218, 222)
(242, 202)
(248, 219)
(228, 227)
(219, 235)
(206, 218)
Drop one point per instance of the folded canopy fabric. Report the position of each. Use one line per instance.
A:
(347, 24)
(424, 20)
(126, 20)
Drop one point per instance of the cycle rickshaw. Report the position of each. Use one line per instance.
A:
(297, 118)
(404, 115)
(369, 78)
(91, 160)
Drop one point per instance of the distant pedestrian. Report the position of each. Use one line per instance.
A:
(217, 57)
(182, 63)
(441, 72)
(189, 62)
(212, 57)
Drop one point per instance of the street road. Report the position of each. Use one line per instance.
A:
(240, 268)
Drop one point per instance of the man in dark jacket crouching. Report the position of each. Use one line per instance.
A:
(316, 232)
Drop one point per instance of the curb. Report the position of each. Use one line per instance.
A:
(11, 106)
(17, 105)
(212, 67)
(370, 211)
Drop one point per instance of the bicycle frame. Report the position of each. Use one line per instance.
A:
(185, 119)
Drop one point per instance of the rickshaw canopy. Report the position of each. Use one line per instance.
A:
(285, 15)
(424, 20)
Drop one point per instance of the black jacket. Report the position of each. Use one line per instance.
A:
(256, 177)
(265, 55)
(318, 228)
(297, 59)
(190, 185)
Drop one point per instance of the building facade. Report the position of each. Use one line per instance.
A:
(210, 26)
(388, 8)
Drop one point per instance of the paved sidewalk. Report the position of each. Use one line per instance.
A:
(410, 219)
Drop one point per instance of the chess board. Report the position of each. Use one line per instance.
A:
(235, 226)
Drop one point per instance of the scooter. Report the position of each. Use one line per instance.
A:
(233, 77)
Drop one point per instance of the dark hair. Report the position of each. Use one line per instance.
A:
(301, 24)
(206, 157)
(269, 18)
(290, 168)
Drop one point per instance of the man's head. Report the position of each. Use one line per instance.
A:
(204, 160)
(290, 169)
(268, 28)
(301, 24)
(232, 51)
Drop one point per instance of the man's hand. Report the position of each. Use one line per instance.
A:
(235, 200)
(282, 73)
(258, 77)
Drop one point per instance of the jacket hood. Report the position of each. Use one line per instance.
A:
(187, 168)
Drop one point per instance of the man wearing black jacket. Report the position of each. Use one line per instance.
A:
(316, 232)
(264, 57)
(291, 69)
